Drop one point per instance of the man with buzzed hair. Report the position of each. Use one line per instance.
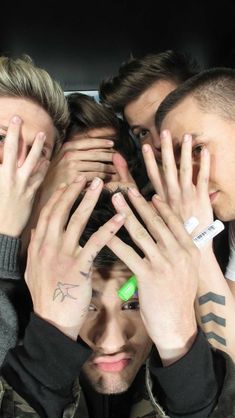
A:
(200, 115)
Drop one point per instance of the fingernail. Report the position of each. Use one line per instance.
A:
(119, 217)
(62, 186)
(95, 183)
(42, 136)
(157, 198)
(187, 137)
(119, 199)
(111, 143)
(79, 179)
(146, 148)
(134, 191)
(16, 120)
(164, 134)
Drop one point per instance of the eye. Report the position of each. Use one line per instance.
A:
(92, 308)
(197, 151)
(44, 152)
(132, 305)
(2, 138)
(140, 135)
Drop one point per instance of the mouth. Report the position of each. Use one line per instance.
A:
(114, 363)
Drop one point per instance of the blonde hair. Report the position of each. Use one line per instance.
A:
(21, 78)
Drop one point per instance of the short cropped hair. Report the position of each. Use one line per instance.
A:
(20, 78)
(137, 75)
(103, 211)
(213, 90)
(87, 114)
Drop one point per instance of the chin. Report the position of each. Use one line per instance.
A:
(110, 385)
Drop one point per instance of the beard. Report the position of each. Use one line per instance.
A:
(109, 383)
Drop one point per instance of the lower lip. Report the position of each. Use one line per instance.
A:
(213, 196)
(117, 366)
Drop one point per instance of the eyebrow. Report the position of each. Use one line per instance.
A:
(5, 128)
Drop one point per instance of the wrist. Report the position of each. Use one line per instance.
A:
(176, 347)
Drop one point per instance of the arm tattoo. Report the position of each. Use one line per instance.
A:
(211, 297)
(62, 291)
(220, 300)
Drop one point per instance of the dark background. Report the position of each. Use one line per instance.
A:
(80, 43)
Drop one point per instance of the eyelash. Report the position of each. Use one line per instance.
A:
(195, 150)
(2, 138)
(125, 306)
(138, 134)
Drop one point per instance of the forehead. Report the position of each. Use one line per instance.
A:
(107, 281)
(188, 117)
(148, 101)
(35, 118)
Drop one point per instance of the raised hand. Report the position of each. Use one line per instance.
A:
(87, 156)
(167, 275)
(175, 184)
(19, 182)
(58, 272)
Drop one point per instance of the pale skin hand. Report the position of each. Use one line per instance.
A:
(91, 157)
(58, 272)
(167, 275)
(186, 199)
(19, 183)
(124, 178)
(175, 186)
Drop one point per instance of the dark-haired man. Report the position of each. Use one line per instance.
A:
(141, 85)
(82, 329)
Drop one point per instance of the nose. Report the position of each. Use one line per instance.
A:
(112, 335)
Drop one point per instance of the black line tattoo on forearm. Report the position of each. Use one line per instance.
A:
(213, 335)
(212, 317)
(62, 291)
(211, 297)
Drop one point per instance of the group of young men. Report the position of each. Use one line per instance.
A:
(72, 177)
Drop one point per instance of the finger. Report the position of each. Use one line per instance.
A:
(10, 150)
(137, 231)
(88, 155)
(176, 232)
(98, 167)
(204, 173)
(153, 170)
(81, 215)
(153, 221)
(121, 167)
(169, 166)
(97, 241)
(33, 156)
(60, 212)
(186, 167)
(44, 216)
(127, 255)
(38, 177)
(87, 143)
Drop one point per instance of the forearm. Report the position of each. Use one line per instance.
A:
(43, 369)
(189, 387)
(215, 305)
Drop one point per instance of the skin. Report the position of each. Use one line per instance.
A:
(140, 113)
(208, 130)
(115, 332)
(27, 137)
(183, 182)
(34, 120)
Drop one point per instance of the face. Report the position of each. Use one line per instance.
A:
(115, 332)
(140, 113)
(35, 120)
(102, 133)
(218, 135)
